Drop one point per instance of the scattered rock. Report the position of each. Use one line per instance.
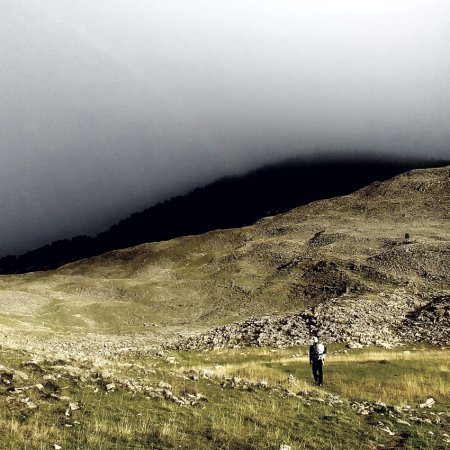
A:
(33, 364)
(164, 385)
(39, 387)
(403, 422)
(386, 429)
(49, 377)
(429, 403)
(110, 387)
(31, 405)
(171, 360)
(73, 406)
(207, 373)
(354, 345)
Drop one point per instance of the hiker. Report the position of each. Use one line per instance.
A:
(317, 352)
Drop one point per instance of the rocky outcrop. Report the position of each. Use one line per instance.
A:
(386, 321)
(430, 323)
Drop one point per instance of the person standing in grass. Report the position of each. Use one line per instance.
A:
(317, 352)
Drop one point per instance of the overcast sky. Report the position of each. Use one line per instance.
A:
(108, 106)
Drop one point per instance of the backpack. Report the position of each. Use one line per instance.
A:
(317, 352)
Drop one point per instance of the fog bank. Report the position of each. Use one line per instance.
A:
(108, 107)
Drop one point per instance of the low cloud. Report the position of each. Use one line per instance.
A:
(108, 107)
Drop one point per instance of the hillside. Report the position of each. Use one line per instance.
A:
(227, 203)
(154, 346)
(350, 250)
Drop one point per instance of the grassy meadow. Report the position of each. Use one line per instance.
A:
(244, 399)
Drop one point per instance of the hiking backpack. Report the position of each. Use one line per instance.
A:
(318, 350)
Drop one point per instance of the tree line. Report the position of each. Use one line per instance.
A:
(227, 203)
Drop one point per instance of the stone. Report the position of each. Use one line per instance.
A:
(20, 376)
(403, 422)
(49, 377)
(207, 373)
(386, 429)
(110, 387)
(429, 403)
(73, 406)
(33, 364)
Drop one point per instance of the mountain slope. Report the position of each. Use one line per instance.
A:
(230, 202)
(350, 247)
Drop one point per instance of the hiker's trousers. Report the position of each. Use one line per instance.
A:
(317, 368)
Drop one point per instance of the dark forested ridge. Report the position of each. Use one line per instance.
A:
(229, 202)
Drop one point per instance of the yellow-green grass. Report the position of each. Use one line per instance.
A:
(235, 418)
(398, 376)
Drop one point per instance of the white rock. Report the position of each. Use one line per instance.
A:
(429, 402)
(49, 377)
(388, 431)
(201, 397)
(207, 373)
(110, 387)
(74, 406)
(105, 375)
(403, 422)
(354, 345)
